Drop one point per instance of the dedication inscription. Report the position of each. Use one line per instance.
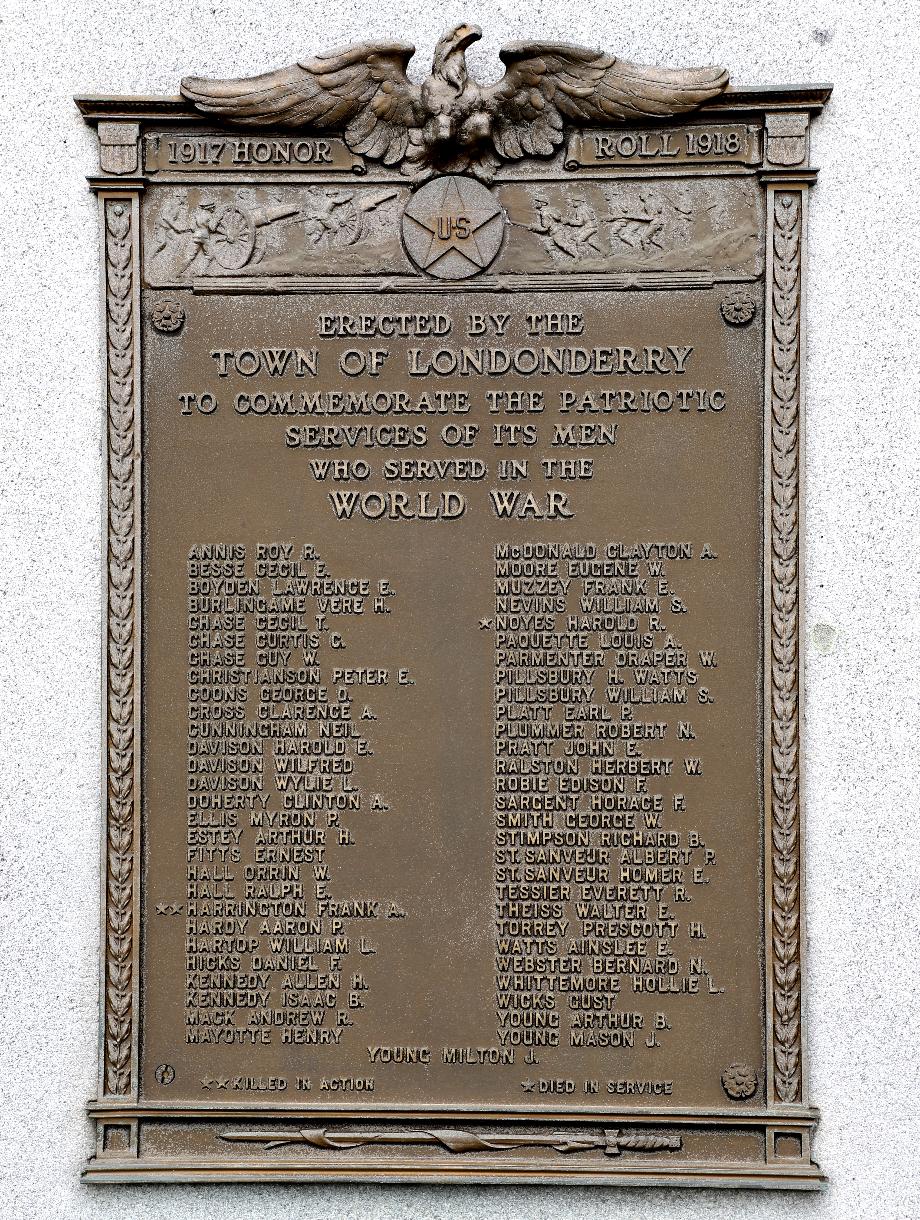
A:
(453, 813)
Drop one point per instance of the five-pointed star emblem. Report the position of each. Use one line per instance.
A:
(453, 218)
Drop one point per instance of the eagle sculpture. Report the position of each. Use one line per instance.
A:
(450, 123)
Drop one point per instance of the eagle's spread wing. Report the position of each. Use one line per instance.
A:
(546, 83)
(362, 89)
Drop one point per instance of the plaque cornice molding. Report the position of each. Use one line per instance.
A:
(173, 108)
(790, 179)
(114, 186)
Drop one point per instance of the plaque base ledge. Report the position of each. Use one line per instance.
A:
(750, 1176)
(114, 1108)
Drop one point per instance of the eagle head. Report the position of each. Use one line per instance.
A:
(457, 40)
(449, 65)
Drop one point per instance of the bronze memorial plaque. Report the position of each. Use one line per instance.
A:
(453, 817)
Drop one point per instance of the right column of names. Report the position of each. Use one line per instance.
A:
(596, 860)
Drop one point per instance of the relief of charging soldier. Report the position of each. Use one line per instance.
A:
(171, 222)
(572, 232)
(204, 223)
(583, 221)
(638, 225)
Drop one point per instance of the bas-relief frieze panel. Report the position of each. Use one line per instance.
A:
(198, 231)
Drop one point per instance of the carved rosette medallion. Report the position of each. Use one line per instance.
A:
(167, 315)
(452, 227)
(739, 306)
(739, 1081)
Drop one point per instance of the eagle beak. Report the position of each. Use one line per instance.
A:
(466, 35)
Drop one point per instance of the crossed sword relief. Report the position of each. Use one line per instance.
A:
(612, 1142)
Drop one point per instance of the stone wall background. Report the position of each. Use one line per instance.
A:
(862, 572)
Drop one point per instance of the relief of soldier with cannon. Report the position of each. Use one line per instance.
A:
(198, 232)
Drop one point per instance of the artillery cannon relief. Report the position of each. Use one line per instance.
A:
(201, 233)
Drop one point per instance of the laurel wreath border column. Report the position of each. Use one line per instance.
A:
(120, 983)
(786, 213)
